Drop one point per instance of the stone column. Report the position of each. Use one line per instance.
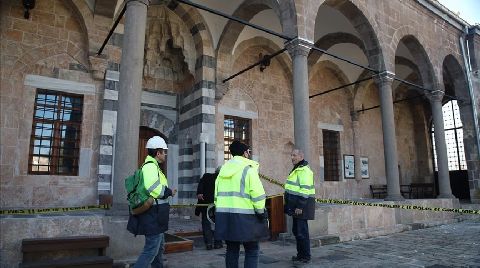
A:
(299, 49)
(440, 145)
(129, 98)
(356, 146)
(384, 83)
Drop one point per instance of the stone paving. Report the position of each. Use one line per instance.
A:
(452, 245)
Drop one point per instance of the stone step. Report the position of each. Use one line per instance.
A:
(314, 241)
(324, 240)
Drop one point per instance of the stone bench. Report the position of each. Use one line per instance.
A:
(74, 251)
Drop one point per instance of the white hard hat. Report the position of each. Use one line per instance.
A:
(156, 142)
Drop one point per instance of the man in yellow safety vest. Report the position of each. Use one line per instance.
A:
(240, 215)
(300, 203)
(153, 222)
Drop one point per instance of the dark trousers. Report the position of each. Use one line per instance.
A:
(208, 233)
(233, 252)
(300, 230)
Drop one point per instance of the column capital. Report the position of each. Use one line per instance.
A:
(299, 46)
(435, 95)
(385, 77)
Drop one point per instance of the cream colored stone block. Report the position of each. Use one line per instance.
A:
(374, 217)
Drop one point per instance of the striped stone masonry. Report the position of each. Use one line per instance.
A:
(158, 111)
(197, 116)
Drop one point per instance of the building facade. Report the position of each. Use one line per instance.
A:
(74, 121)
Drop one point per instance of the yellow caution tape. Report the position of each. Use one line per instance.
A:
(273, 181)
(206, 205)
(50, 210)
(415, 207)
(369, 204)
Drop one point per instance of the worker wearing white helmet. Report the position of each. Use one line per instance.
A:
(154, 221)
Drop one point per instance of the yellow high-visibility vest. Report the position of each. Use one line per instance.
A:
(153, 178)
(300, 182)
(238, 188)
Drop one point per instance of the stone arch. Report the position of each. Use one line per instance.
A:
(288, 17)
(412, 133)
(363, 22)
(360, 89)
(338, 73)
(201, 36)
(454, 79)
(406, 62)
(359, 93)
(76, 47)
(232, 30)
(416, 44)
(406, 91)
(198, 28)
(331, 39)
(241, 95)
(155, 120)
(269, 46)
(453, 71)
(85, 17)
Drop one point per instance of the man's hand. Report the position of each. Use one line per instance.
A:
(174, 192)
(200, 197)
(298, 211)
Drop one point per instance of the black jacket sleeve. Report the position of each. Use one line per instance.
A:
(200, 186)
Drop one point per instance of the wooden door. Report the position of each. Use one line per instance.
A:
(145, 134)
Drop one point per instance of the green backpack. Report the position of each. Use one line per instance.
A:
(136, 192)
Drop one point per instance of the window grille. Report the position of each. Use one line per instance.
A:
(235, 128)
(55, 138)
(331, 149)
(453, 137)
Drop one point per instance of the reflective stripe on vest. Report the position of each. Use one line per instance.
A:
(242, 193)
(155, 181)
(299, 194)
(293, 186)
(296, 183)
(240, 210)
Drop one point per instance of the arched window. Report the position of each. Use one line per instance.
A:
(453, 137)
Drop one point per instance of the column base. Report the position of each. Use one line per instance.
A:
(394, 197)
(449, 196)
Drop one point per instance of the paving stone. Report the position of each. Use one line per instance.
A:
(452, 245)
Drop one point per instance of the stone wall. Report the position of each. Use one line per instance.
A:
(360, 222)
(329, 112)
(13, 229)
(265, 98)
(371, 134)
(346, 222)
(49, 50)
(406, 145)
